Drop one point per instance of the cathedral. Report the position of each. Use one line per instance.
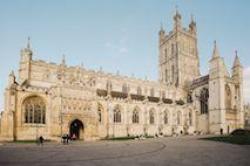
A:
(52, 99)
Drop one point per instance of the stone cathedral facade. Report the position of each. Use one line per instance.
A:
(51, 99)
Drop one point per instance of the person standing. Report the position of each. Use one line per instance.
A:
(41, 139)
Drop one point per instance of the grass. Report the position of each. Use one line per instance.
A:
(239, 139)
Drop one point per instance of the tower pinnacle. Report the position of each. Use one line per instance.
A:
(28, 43)
(177, 18)
(236, 60)
(63, 59)
(216, 51)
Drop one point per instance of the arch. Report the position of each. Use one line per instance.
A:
(34, 110)
(151, 116)
(179, 118)
(100, 112)
(117, 114)
(76, 128)
(190, 118)
(166, 117)
(135, 116)
(228, 97)
(204, 94)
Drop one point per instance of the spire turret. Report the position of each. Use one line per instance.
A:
(12, 78)
(236, 60)
(63, 60)
(177, 18)
(28, 43)
(192, 25)
(26, 53)
(215, 51)
(161, 34)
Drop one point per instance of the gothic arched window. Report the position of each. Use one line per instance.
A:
(165, 117)
(34, 110)
(117, 115)
(228, 97)
(166, 75)
(179, 118)
(100, 113)
(172, 73)
(151, 117)
(135, 117)
(166, 54)
(190, 118)
(172, 49)
(204, 101)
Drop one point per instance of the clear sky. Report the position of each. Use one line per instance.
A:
(118, 34)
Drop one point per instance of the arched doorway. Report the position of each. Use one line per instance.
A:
(76, 129)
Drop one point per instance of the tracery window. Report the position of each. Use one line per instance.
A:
(166, 54)
(190, 118)
(165, 117)
(135, 117)
(204, 101)
(173, 74)
(166, 75)
(228, 96)
(172, 49)
(34, 110)
(117, 115)
(151, 117)
(179, 118)
(99, 113)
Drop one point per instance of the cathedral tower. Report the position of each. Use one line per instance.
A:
(26, 58)
(178, 54)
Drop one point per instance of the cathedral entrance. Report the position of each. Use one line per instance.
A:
(76, 129)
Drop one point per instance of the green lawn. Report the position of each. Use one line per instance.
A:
(240, 140)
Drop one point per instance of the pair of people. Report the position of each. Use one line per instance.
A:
(65, 139)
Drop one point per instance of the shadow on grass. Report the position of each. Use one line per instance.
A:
(239, 139)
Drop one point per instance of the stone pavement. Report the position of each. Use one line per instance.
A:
(161, 151)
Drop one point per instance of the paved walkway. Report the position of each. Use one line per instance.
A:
(162, 151)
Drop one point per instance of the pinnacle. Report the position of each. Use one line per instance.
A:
(236, 60)
(216, 51)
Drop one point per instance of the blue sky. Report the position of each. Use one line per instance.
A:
(117, 34)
